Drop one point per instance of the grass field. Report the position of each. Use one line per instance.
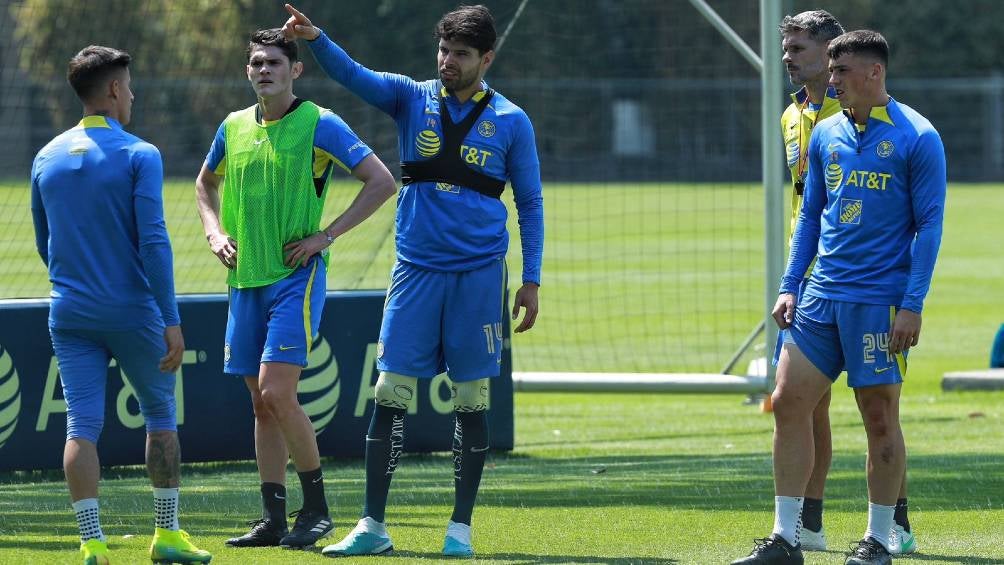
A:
(687, 482)
(612, 478)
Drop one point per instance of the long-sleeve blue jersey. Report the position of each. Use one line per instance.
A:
(97, 206)
(443, 227)
(873, 209)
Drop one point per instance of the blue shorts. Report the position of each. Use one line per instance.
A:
(435, 322)
(276, 322)
(83, 357)
(837, 336)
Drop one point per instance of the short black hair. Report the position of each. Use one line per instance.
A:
(860, 42)
(820, 24)
(470, 25)
(276, 38)
(91, 68)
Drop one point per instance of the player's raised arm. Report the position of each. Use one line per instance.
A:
(385, 91)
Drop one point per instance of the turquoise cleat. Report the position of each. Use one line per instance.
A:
(452, 547)
(361, 541)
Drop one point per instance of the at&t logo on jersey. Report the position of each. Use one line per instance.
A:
(10, 396)
(427, 143)
(319, 386)
(834, 176)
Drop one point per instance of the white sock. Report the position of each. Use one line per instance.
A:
(370, 525)
(459, 532)
(86, 510)
(879, 523)
(788, 517)
(165, 508)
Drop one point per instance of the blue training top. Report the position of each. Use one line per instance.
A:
(873, 210)
(443, 227)
(98, 210)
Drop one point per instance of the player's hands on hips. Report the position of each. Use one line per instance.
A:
(299, 252)
(784, 310)
(224, 247)
(298, 26)
(526, 297)
(905, 331)
(175, 342)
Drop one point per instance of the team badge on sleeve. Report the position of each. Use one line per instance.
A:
(885, 148)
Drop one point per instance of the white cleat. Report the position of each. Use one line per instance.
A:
(901, 541)
(812, 541)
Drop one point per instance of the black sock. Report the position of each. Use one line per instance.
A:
(470, 446)
(313, 491)
(384, 443)
(812, 514)
(899, 515)
(273, 503)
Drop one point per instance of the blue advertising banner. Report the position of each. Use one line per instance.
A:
(215, 420)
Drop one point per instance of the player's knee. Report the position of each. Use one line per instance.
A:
(877, 415)
(277, 401)
(395, 391)
(788, 405)
(79, 426)
(472, 396)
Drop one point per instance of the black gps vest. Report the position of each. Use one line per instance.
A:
(448, 166)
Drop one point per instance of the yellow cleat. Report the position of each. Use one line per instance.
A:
(171, 546)
(95, 552)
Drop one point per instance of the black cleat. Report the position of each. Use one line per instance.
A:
(774, 550)
(263, 534)
(868, 552)
(309, 527)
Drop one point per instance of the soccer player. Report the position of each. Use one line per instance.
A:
(805, 38)
(460, 141)
(873, 211)
(97, 206)
(273, 161)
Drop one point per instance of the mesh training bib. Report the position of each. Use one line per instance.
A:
(269, 197)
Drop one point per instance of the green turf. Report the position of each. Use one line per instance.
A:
(689, 482)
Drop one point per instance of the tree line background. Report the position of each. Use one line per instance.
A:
(567, 62)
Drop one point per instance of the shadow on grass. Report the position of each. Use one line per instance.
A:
(949, 559)
(527, 558)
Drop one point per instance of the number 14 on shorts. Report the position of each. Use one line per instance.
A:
(493, 336)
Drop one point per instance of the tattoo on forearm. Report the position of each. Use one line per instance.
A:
(163, 459)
